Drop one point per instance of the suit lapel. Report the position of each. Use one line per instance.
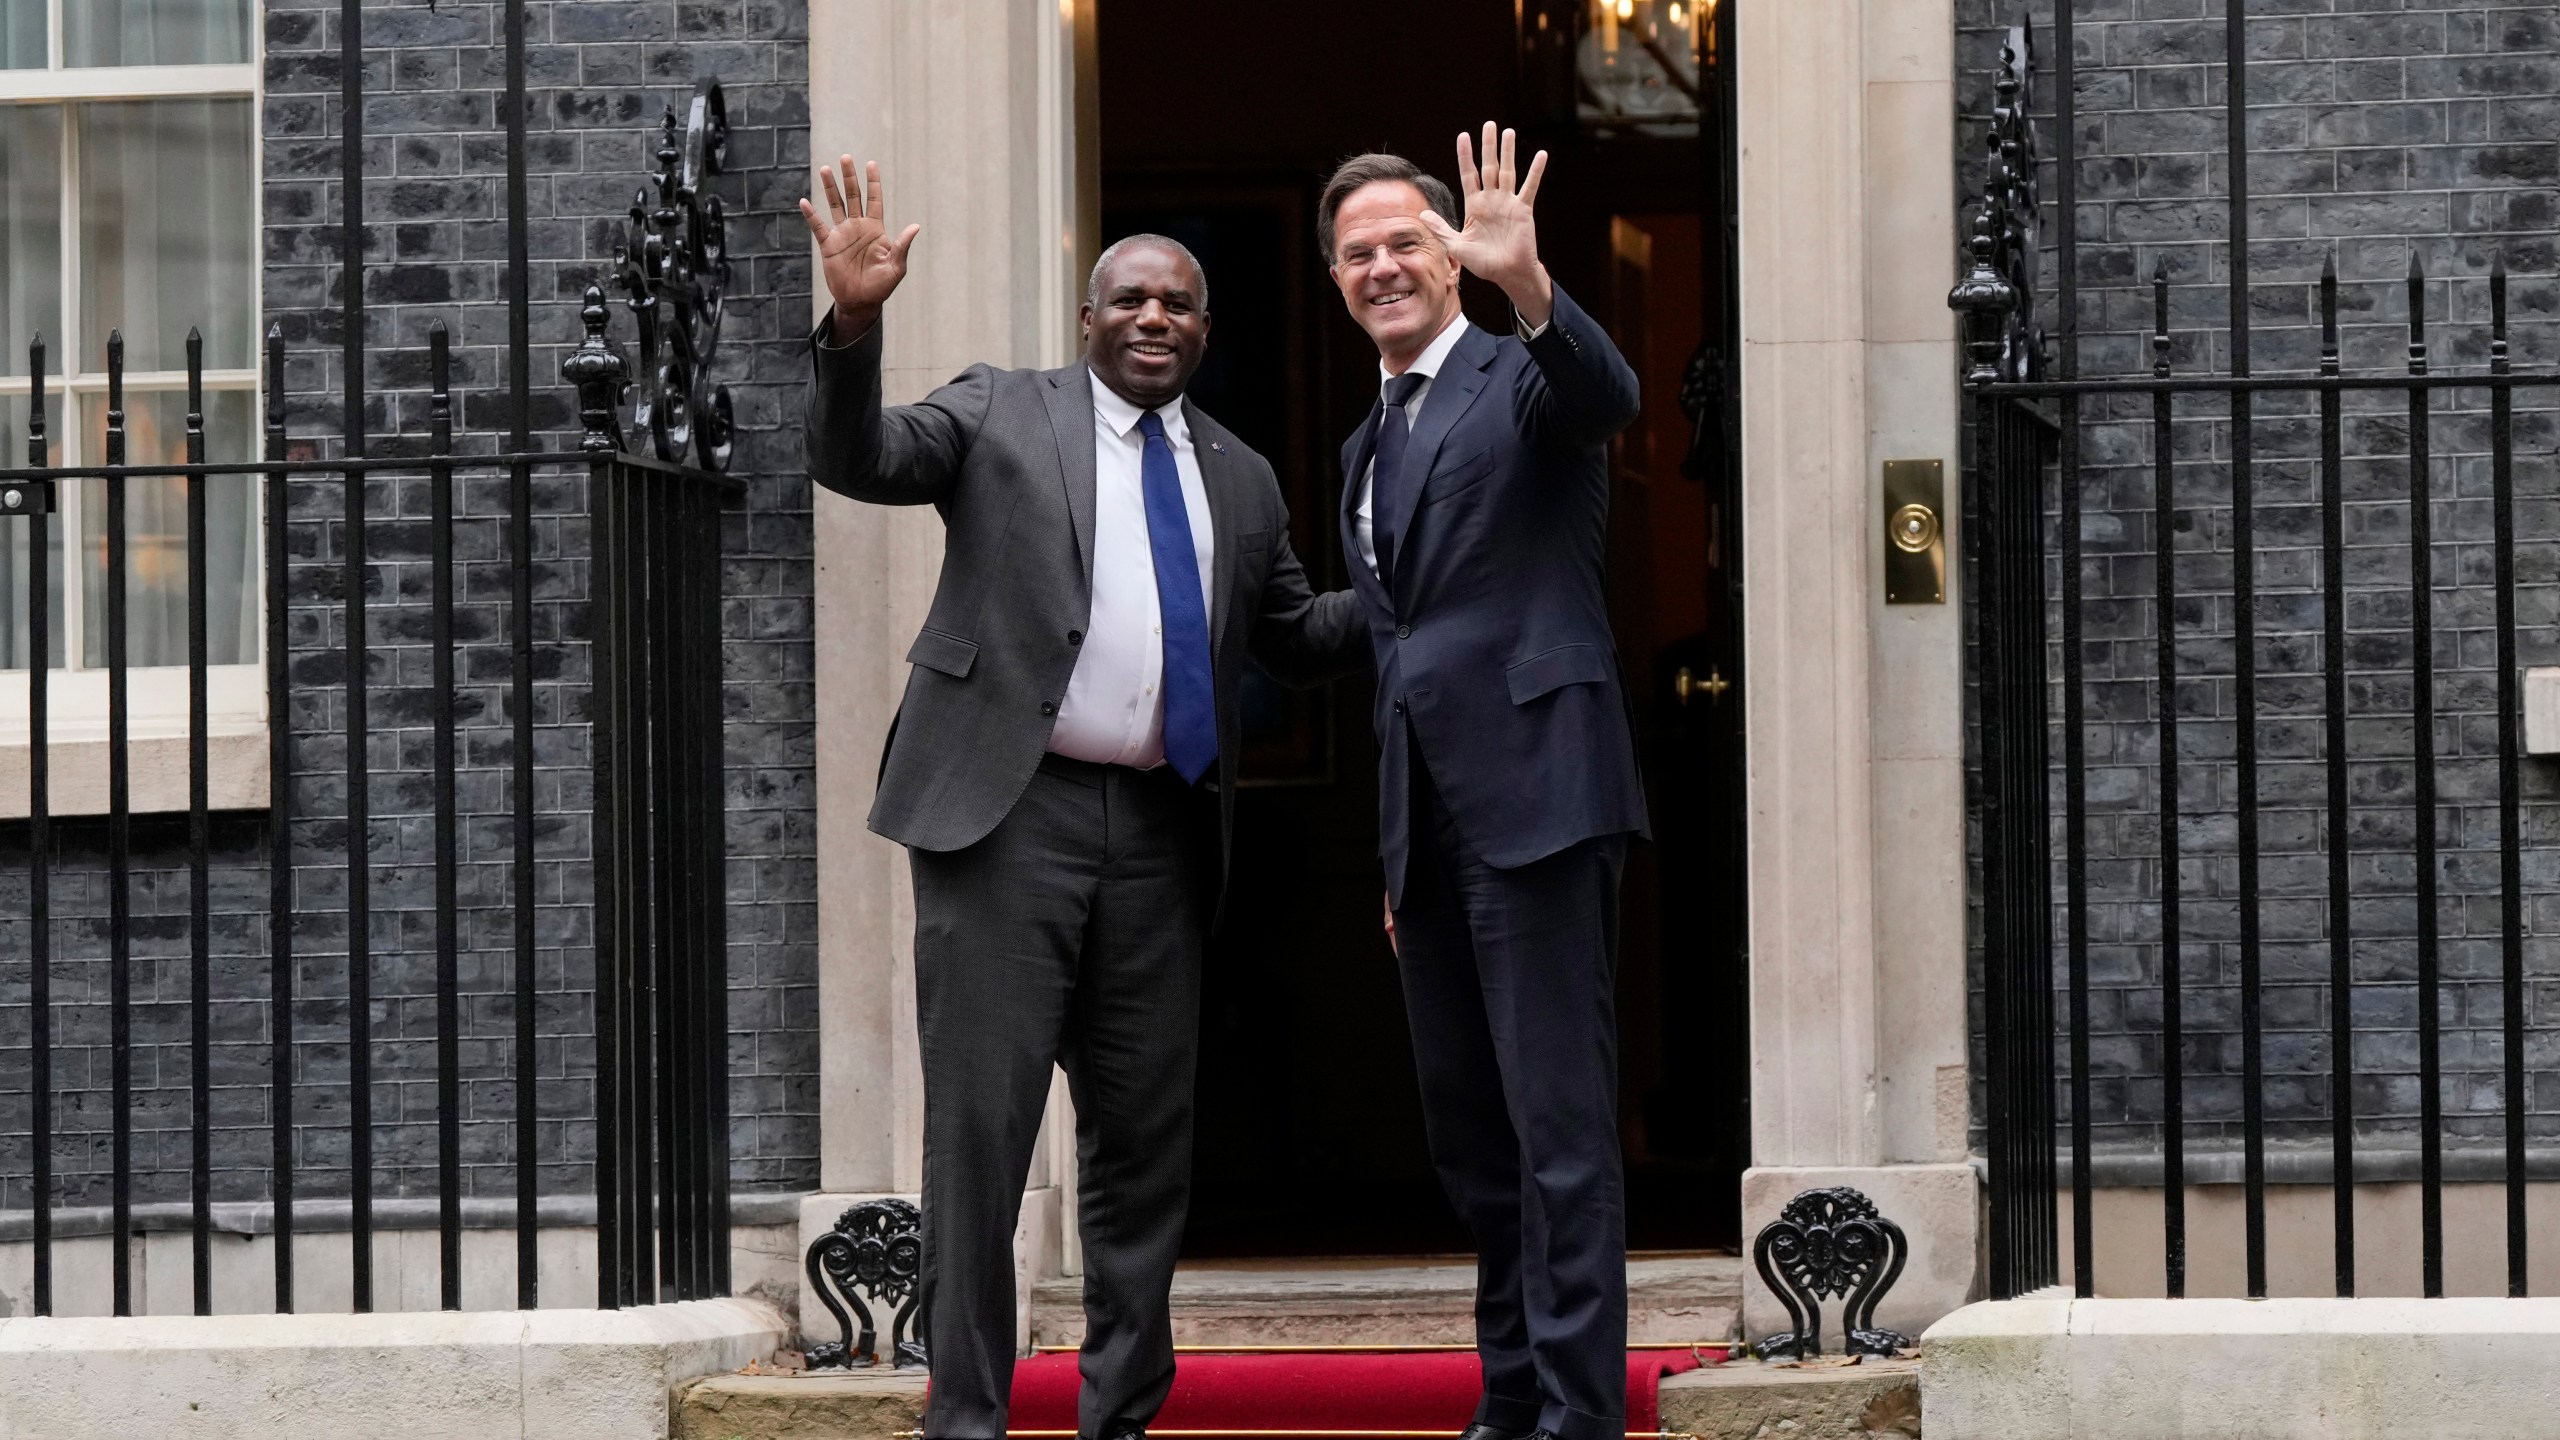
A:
(1071, 417)
(1453, 391)
(1219, 477)
(1355, 468)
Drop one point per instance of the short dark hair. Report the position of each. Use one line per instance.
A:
(1368, 169)
(1112, 251)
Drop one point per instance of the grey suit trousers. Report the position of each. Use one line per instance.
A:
(1069, 935)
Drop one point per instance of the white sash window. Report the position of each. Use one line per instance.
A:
(129, 202)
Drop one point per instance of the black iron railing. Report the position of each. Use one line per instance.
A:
(660, 982)
(2026, 529)
(654, 503)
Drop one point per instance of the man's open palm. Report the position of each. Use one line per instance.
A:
(1500, 242)
(862, 265)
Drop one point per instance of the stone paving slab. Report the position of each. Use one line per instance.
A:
(1817, 1400)
(869, 1404)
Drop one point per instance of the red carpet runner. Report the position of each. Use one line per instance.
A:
(1408, 1390)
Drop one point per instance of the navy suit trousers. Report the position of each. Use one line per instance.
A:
(1510, 985)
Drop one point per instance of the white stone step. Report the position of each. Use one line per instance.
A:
(1427, 1300)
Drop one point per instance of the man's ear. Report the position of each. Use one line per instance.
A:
(1084, 323)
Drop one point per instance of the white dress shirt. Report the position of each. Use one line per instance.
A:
(1434, 355)
(1113, 713)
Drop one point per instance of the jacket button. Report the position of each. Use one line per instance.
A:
(1399, 707)
(1075, 637)
(1404, 632)
(1048, 707)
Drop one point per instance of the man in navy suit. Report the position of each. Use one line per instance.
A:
(1475, 510)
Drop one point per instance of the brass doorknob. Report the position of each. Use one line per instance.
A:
(1687, 683)
(1914, 529)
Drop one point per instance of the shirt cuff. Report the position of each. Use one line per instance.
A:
(1528, 333)
(824, 336)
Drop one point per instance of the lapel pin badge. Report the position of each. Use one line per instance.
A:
(1214, 445)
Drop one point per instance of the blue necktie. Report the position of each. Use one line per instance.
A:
(1190, 701)
(1386, 486)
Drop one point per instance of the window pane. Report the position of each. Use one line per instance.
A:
(17, 535)
(154, 32)
(30, 235)
(167, 229)
(156, 533)
(22, 35)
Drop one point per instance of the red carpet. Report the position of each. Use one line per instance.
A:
(1409, 1390)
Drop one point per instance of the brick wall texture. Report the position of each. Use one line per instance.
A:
(2379, 131)
(601, 72)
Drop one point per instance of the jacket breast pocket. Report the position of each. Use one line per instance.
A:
(1551, 670)
(940, 650)
(1464, 475)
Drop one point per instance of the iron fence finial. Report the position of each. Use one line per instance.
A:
(673, 266)
(601, 375)
(1998, 293)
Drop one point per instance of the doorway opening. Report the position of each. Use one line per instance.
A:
(1218, 126)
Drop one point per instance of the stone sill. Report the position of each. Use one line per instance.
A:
(560, 1374)
(235, 774)
(2047, 1365)
(156, 705)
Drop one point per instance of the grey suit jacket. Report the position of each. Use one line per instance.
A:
(1007, 458)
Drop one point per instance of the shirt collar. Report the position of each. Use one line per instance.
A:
(1120, 417)
(1434, 355)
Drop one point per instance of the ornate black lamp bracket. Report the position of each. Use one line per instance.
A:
(1998, 292)
(673, 264)
(1826, 1243)
(875, 1249)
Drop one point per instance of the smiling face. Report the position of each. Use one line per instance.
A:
(1146, 332)
(1402, 287)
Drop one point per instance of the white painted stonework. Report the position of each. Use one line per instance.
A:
(1856, 717)
(462, 1375)
(2371, 1369)
(972, 111)
(2542, 710)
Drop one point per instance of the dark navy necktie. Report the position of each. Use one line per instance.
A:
(1386, 484)
(1190, 702)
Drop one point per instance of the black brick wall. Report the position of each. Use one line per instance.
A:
(2378, 132)
(602, 72)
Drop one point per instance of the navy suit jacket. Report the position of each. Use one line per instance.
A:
(1494, 653)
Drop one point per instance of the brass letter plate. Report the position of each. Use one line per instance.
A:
(1915, 532)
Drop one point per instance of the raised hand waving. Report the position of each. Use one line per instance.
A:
(860, 263)
(1500, 241)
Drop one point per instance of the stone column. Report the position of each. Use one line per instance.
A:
(970, 108)
(1856, 781)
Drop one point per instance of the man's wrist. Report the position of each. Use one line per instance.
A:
(846, 325)
(1533, 296)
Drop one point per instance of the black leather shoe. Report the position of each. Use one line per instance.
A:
(1481, 1431)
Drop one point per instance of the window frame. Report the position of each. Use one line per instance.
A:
(157, 695)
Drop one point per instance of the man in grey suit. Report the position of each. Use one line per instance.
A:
(1062, 773)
